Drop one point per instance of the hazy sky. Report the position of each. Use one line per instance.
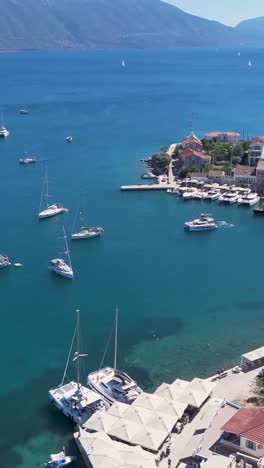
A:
(228, 12)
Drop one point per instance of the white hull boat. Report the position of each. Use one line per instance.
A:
(249, 200)
(59, 266)
(213, 195)
(189, 194)
(50, 210)
(4, 261)
(3, 132)
(205, 223)
(113, 384)
(230, 198)
(59, 460)
(87, 233)
(76, 402)
(28, 160)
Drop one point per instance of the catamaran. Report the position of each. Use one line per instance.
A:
(86, 232)
(59, 266)
(3, 131)
(75, 401)
(113, 384)
(50, 210)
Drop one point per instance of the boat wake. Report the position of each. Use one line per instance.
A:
(224, 224)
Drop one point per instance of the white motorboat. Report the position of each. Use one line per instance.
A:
(213, 195)
(198, 195)
(4, 261)
(86, 232)
(189, 193)
(204, 223)
(69, 139)
(249, 199)
(229, 197)
(113, 384)
(149, 175)
(50, 210)
(58, 460)
(59, 266)
(28, 159)
(23, 111)
(75, 401)
(3, 131)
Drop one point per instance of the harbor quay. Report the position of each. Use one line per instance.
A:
(202, 423)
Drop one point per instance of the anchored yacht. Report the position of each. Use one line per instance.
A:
(4, 261)
(229, 197)
(249, 199)
(59, 266)
(213, 195)
(85, 232)
(27, 159)
(204, 223)
(189, 193)
(113, 384)
(3, 131)
(58, 460)
(50, 210)
(75, 401)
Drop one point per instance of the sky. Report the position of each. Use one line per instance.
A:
(229, 12)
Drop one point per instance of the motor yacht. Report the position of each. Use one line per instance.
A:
(229, 197)
(189, 193)
(4, 261)
(249, 199)
(28, 160)
(113, 384)
(23, 111)
(72, 399)
(213, 195)
(3, 131)
(59, 460)
(204, 223)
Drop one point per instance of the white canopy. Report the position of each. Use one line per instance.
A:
(103, 452)
(193, 393)
(147, 422)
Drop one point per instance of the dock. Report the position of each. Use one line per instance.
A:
(146, 187)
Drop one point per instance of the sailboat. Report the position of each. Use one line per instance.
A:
(50, 210)
(249, 64)
(3, 131)
(113, 384)
(85, 232)
(123, 63)
(59, 266)
(75, 401)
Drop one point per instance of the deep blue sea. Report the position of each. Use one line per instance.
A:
(188, 303)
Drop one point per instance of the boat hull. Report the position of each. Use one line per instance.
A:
(79, 236)
(49, 214)
(6, 264)
(200, 228)
(65, 274)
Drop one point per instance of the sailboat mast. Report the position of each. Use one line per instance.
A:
(116, 326)
(67, 248)
(47, 185)
(78, 345)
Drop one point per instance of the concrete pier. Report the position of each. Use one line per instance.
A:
(146, 187)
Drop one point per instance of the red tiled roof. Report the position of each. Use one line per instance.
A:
(258, 139)
(247, 423)
(190, 152)
(216, 134)
(191, 138)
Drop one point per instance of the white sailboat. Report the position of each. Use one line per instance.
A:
(59, 266)
(249, 64)
(75, 401)
(86, 232)
(50, 210)
(123, 63)
(113, 384)
(3, 131)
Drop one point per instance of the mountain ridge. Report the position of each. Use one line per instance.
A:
(62, 24)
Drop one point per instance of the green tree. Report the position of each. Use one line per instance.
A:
(160, 161)
(183, 172)
(194, 169)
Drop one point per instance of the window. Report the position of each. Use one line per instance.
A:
(250, 445)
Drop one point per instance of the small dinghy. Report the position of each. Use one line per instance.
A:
(69, 139)
(59, 460)
(18, 265)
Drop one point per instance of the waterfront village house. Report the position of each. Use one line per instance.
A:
(192, 142)
(245, 175)
(260, 176)
(217, 176)
(190, 157)
(223, 137)
(256, 151)
(245, 432)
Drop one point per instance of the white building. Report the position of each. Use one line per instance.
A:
(256, 151)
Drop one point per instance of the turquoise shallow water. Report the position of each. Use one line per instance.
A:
(188, 303)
